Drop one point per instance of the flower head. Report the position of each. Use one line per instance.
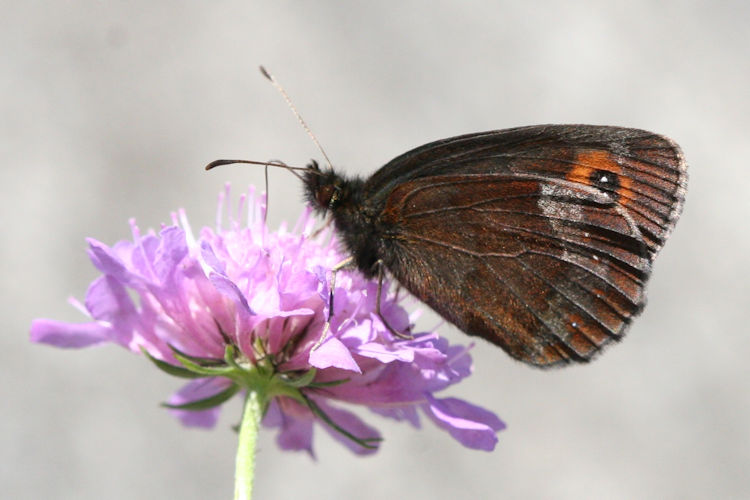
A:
(242, 308)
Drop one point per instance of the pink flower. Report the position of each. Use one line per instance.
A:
(242, 308)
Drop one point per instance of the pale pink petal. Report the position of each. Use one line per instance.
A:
(472, 426)
(68, 335)
(333, 353)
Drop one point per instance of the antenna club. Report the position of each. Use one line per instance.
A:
(218, 163)
(265, 72)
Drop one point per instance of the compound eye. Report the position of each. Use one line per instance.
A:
(324, 195)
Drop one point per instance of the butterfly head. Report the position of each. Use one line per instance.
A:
(324, 189)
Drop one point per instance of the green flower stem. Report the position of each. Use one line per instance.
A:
(245, 461)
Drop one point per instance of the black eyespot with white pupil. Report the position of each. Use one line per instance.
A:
(607, 181)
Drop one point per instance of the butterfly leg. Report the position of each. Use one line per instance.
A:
(334, 270)
(396, 333)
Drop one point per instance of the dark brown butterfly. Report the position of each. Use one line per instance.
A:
(539, 239)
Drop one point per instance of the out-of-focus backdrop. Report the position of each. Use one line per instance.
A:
(109, 110)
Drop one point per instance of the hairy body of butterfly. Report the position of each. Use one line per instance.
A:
(539, 239)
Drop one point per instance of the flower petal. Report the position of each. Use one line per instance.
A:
(295, 425)
(408, 413)
(108, 300)
(472, 426)
(210, 258)
(170, 252)
(385, 353)
(333, 353)
(68, 335)
(108, 262)
(231, 291)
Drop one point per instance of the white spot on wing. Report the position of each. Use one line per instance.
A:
(557, 211)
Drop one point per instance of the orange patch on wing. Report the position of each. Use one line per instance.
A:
(588, 162)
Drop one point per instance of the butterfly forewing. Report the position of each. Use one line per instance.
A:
(539, 239)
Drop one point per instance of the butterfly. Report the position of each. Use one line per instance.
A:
(538, 239)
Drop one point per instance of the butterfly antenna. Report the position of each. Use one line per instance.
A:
(283, 93)
(272, 163)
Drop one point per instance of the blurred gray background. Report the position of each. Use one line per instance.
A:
(110, 111)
